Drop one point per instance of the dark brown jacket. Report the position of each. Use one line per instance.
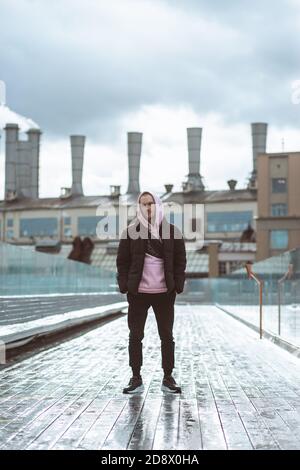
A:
(131, 254)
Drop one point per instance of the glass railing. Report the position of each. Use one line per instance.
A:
(280, 276)
(239, 295)
(27, 272)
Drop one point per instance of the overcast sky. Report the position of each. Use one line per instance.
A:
(102, 68)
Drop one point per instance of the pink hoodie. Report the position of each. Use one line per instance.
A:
(153, 277)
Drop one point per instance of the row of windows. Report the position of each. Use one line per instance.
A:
(48, 226)
(228, 221)
(87, 225)
(39, 226)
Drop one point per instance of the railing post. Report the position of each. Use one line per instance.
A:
(259, 282)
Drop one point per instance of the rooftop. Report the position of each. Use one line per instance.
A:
(237, 195)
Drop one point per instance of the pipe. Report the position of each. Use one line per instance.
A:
(194, 136)
(77, 152)
(134, 142)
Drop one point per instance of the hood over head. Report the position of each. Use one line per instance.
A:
(158, 217)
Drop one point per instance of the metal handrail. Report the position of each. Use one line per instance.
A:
(259, 282)
(287, 275)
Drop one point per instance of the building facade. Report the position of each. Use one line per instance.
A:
(278, 218)
(266, 208)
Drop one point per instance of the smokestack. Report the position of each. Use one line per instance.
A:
(259, 140)
(134, 158)
(23, 168)
(21, 163)
(11, 143)
(77, 151)
(194, 182)
(34, 139)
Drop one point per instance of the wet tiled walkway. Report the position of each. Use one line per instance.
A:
(239, 392)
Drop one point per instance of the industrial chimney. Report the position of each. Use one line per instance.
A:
(23, 168)
(134, 158)
(34, 136)
(21, 163)
(259, 141)
(77, 152)
(11, 144)
(194, 182)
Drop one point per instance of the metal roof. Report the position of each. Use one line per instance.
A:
(56, 202)
(224, 195)
(236, 195)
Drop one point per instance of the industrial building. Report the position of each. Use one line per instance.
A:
(230, 215)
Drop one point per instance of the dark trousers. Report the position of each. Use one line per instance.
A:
(163, 307)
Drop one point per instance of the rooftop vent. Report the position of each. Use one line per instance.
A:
(232, 184)
(168, 188)
(65, 192)
(115, 190)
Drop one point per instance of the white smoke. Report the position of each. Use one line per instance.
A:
(11, 117)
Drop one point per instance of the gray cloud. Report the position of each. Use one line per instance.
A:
(78, 67)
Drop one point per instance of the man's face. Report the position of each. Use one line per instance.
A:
(147, 204)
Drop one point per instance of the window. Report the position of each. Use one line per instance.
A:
(174, 218)
(228, 221)
(87, 225)
(9, 234)
(279, 185)
(222, 268)
(67, 220)
(10, 222)
(67, 232)
(278, 210)
(40, 227)
(233, 265)
(279, 239)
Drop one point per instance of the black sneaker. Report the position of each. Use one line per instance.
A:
(169, 385)
(135, 385)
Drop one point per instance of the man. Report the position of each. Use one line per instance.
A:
(151, 263)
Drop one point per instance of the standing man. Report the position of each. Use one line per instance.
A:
(151, 263)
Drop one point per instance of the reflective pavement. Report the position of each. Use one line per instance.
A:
(239, 392)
